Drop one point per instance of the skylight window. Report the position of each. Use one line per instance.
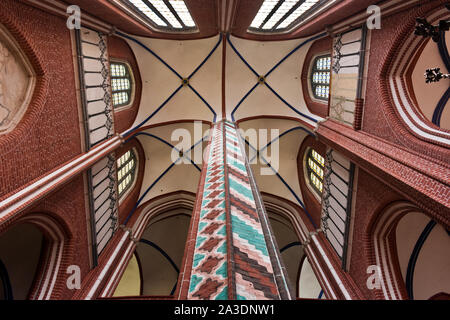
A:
(172, 15)
(183, 12)
(263, 12)
(282, 15)
(281, 11)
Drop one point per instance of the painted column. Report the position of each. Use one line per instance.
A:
(231, 253)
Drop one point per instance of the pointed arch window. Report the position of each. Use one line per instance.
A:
(121, 84)
(126, 171)
(320, 77)
(315, 165)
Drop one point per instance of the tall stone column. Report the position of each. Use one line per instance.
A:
(231, 252)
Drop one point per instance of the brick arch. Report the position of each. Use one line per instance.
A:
(381, 232)
(383, 252)
(50, 273)
(393, 67)
(144, 215)
(382, 116)
(313, 206)
(383, 249)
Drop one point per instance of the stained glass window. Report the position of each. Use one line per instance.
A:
(315, 164)
(126, 169)
(120, 84)
(320, 77)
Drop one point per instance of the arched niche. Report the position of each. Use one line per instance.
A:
(411, 254)
(31, 253)
(286, 223)
(20, 254)
(428, 97)
(161, 250)
(288, 243)
(423, 256)
(157, 259)
(17, 81)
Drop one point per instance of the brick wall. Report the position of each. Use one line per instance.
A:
(372, 196)
(49, 134)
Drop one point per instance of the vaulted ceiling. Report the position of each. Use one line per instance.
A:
(223, 70)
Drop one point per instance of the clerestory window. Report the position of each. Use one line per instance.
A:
(315, 165)
(121, 84)
(320, 77)
(126, 171)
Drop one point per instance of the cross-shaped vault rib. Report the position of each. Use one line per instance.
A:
(185, 81)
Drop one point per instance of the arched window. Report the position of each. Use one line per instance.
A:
(121, 84)
(320, 77)
(315, 165)
(126, 171)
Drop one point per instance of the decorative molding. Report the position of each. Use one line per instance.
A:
(21, 199)
(401, 55)
(419, 179)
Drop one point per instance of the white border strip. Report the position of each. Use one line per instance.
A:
(107, 266)
(43, 186)
(303, 233)
(397, 90)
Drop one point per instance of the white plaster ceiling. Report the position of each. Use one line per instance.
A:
(158, 82)
(184, 56)
(285, 79)
(158, 157)
(289, 146)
